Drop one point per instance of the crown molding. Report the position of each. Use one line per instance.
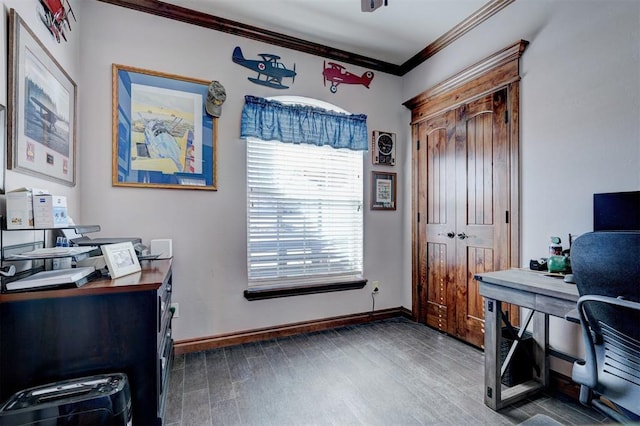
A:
(510, 55)
(189, 16)
(481, 15)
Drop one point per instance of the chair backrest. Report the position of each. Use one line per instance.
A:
(607, 263)
(606, 268)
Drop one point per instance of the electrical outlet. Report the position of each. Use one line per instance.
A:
(175, 307)
(376, 287)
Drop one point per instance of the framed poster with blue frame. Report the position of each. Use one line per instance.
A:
(162, 136)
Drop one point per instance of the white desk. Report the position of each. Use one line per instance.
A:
(544, 296)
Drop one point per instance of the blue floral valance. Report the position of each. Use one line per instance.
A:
(271, 120)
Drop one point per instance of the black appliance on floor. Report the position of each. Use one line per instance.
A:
(96, 400)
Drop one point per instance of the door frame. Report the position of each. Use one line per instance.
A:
(499, 70)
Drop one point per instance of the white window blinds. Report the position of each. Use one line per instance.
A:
(304, 213)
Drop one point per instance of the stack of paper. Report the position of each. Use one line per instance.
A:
(52, 278)
(52, 252)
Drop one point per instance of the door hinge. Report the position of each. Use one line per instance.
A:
(506, 216)
(490, 306)
(418, 145)
(418, 217)
(489, 391)
(506, 117)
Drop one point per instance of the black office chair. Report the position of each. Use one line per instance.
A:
(606, 269)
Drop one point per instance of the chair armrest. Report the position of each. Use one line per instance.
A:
(586, 372)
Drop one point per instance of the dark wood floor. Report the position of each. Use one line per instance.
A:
(392, 372)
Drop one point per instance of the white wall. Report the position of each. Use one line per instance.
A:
(580, 112)
(208, 228)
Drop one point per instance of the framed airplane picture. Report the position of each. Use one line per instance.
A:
(42, 103)
(162, 136)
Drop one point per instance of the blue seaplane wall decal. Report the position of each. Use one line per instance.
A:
(270, 69)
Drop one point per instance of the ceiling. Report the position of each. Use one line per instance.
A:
(394, 38)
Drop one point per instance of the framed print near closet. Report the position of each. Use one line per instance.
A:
(161, 134)
(383, 191)
(42, 103)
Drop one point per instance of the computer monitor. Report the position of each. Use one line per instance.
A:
(616, 211)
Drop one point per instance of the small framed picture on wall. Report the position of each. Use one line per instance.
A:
(383, 191)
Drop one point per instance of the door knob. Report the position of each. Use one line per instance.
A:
(449, 234)
(462, 236)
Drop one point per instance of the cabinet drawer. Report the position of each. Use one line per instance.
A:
(165, 360)
(164, 303)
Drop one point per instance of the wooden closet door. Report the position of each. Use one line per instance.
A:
(437, 230)
(477, 112)
(482, 200)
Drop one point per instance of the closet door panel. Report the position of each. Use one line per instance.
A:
(438, 284)
(438, 160)
(481, 139)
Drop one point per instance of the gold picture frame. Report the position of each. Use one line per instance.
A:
(162, 136)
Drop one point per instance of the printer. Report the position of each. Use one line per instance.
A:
(97, 400)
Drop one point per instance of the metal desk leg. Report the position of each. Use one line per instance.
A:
(492, 363)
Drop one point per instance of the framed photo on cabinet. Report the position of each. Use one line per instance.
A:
(42, 103)
(383, 191)
(121, 259)
(162, 136)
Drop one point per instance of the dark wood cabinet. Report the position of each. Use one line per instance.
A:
(121, 325)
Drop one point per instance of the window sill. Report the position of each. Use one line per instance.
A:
(273, 292)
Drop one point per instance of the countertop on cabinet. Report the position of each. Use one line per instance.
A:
(151, 277)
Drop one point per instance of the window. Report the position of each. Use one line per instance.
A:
(304, 212)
